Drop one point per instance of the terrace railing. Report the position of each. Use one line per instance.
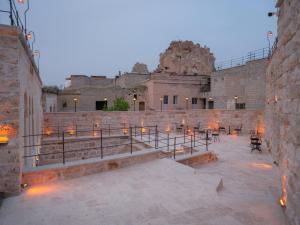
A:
(148, 135)
(251, 56)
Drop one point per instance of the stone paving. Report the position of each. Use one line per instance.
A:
(160, 192)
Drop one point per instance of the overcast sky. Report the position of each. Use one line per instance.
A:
(101, 37)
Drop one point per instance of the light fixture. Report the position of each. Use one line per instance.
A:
(4, 140)
(186, 98)
(236, 97)
(134, 99)
(270, 14)
(209, 99)
(21, 1)
(24, 185)
(282, 202)
(269, 34)
(75, 99)
(105, 99)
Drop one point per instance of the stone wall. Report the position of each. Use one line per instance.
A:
(250, 119)
(21, 107)
(247, 82)
(83, 168)
(283, 105)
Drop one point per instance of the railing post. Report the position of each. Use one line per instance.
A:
(131, 140)
(11, 13)
(76, 130)
(183, 135)
(174, 153)
(135, 130)
(156, 137)
(58, 131)
(101, 143)
(93, 134)
(206, 140)
(194, 138)
(108, 129)
(168, 141)
(191, 144)
(141, 133)
(149, 134)
(63, 147)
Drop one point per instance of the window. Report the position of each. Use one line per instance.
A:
(210, 104)
(64, 105)
(166, 99)
(194, 101)
(240, 106)
(175, 99)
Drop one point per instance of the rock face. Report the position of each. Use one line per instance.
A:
(140, 68)
(186, 58)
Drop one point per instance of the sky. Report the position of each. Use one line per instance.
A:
(102, 37)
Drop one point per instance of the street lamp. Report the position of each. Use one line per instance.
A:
(187, 103)
(269, 36)
(29, 36)
(161, 103)
(105, 100)
(236, 98)
(134, 99)
(38, 54)
(75, 104)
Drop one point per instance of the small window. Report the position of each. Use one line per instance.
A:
(166, 99)
(175, 99)
(210, 104)
(240, 105)
(64, 105)
(194, 101)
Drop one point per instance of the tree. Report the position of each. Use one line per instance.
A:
(120, 104)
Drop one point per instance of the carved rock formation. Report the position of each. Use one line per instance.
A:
(140, 68)
(186, 58)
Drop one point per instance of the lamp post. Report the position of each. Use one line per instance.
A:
(187, 103)
(105, 100)
(134, 99)
(161, 103)
(29, 36)
(75, 104)
(269, 36)
(236, 98)
(38, 54)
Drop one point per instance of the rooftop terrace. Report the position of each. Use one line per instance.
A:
(161, 192)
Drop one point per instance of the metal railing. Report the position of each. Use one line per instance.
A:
(147, 135)
(251, 56)
(13, 14)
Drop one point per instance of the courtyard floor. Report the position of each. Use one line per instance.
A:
(160, 192)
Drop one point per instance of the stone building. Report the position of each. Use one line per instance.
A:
(21, 111)
(185, 79)
(283, 105)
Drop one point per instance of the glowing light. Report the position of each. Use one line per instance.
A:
(125, 131)
(41, 190)
(71, 131)
(4, 140)
(143, 130)
(282, 202)
(21, 1)
(48, 131)
(168, 130)
(263, 166)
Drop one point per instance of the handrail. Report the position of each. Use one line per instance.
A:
(251, 56)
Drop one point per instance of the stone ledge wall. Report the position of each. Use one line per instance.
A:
(81, 148)
(199, 159)
(44, 175)
(250, 119)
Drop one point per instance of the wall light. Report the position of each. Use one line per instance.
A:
(4, 140)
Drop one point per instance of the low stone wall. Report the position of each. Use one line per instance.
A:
(81, 148)
(199, 159)
(72, 170)
(250, 119)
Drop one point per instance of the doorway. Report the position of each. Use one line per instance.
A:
(141, 106)
(101, 105)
